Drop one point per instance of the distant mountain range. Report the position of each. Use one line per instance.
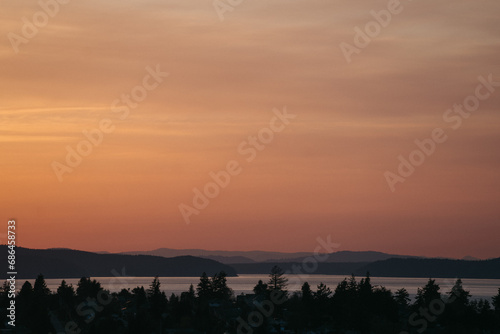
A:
(227, 257)
(68, 263)
(233, 257)
(350, 256)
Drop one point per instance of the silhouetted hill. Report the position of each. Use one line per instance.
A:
(433, 268)
(231, 257)
(324, 268)
(68, 263)
(249, 256)
(351, 256)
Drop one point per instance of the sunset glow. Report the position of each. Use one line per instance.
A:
(176, 93)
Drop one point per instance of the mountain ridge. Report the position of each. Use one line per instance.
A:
(236, 257)
(70, 263)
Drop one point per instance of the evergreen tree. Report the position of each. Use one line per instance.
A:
(277, 279)
(87, 288)
(344, 303)
(140, 297)
(157, 298)
(365, 286)
(174, 300)
(366, 303)
(26, 293)
(307, 294)
(383, 307)
(186, 308)
(220, 290)
(188, 296)
(365, 291)
(496, 301)
(427, 294)
(322, 293)
(40, 317)
(204, 288)
(402, 298)
(484, 317)
(458, 311)
(25, 305)
(341, 288)
(66, 294)
(352, 285)
(191, 292)
(40, 289)
(260, 289)
(154, 288)
(141, 321)
(458, 295)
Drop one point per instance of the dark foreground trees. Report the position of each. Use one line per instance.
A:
(354, 305)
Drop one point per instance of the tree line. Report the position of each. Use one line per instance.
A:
(212, 307)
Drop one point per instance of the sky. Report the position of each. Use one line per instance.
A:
(312, 117)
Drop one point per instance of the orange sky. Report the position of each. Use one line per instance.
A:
(322, 175)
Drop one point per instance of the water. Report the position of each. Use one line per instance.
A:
(479, 288)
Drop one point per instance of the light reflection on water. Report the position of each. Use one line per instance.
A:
(479, 288)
